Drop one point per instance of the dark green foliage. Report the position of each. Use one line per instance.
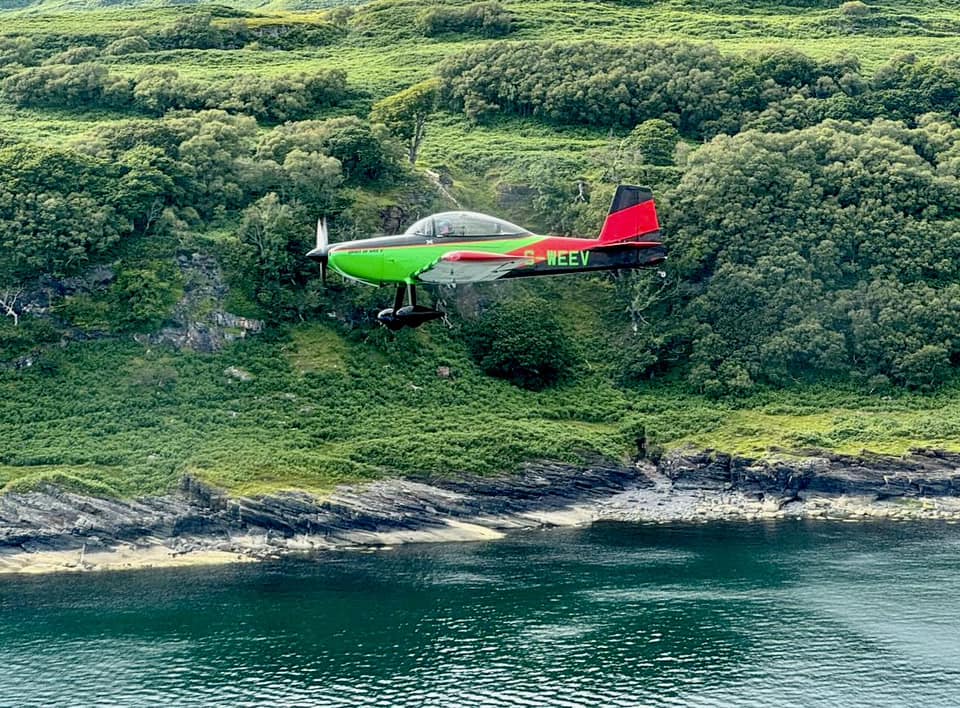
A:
(794, 261)
(485, 19)
(364, 154)
(30, 335)
(57, 208)
(74, 55)
(282, 98)
(405, 114)
(652, 142)
(274, 236)
(700, 90)
(79, 86)
(520, 340)
(89, 85)
(145, 296)
(198, 31)
(18, 51)
(127, 45)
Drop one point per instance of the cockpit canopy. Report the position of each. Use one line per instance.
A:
(463, 223)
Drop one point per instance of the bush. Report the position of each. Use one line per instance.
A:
(487, 19)
(521, 341)
(854, 8)
(145, 296)
(127, 45)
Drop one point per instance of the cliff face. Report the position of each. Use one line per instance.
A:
(683, 485)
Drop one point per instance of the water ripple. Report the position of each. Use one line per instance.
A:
(798, 614)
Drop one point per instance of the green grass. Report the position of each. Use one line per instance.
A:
(323, 410)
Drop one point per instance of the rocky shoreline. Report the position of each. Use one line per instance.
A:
(54, 530)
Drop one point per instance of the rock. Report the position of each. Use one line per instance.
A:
(686, 484)
(235, 372)
(199, 320)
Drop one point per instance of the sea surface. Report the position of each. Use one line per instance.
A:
(781, 614)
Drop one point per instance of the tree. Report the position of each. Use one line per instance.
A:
(488, 19)
(57, 209)
(405, 114)
(814, 265)
(926, 368)
(520, 340)
(365, 153)
(157, 91)
(653, 142)
(74, 55)
(275, 236)
(313, 178)
(8, 303)
(144, 296)
(134, 44)
(18, 50)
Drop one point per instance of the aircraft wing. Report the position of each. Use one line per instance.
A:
(470, 267)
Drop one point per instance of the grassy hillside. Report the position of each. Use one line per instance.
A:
(320, 409)
(323, 396)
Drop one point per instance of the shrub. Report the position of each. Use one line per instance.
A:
(487, 19)
(521, 341)
(127, 45)
(854, 8)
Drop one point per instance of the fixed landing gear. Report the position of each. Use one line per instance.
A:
(413, 315)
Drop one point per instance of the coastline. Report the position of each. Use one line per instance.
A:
(57, 531)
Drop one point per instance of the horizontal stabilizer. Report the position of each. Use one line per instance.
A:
(627, 244)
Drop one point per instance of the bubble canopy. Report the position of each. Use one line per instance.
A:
(463, 223)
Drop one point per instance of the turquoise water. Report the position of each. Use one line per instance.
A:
(788, 614)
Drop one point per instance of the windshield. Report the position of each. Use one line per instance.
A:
(464, 223)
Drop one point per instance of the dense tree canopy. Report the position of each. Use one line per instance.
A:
(831, 250)
(58, 209)
(487, 19)
(700, 90)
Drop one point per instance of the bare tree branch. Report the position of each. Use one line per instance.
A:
(8, 303)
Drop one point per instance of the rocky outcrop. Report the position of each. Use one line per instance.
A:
(38, 298)
(199, 321)
(686, 485)
(921, 473)
(57, 519)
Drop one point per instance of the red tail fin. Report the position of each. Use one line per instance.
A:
(632, 214)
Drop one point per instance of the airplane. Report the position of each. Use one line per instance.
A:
(458, 247)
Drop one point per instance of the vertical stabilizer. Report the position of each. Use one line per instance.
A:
(632, 214)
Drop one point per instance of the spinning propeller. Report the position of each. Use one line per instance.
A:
(320, 252)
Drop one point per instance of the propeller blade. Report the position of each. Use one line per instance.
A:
(323, 239)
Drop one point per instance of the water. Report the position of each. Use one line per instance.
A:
(789, 614)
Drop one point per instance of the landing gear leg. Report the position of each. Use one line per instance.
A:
(388, 318)
(412, 315)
